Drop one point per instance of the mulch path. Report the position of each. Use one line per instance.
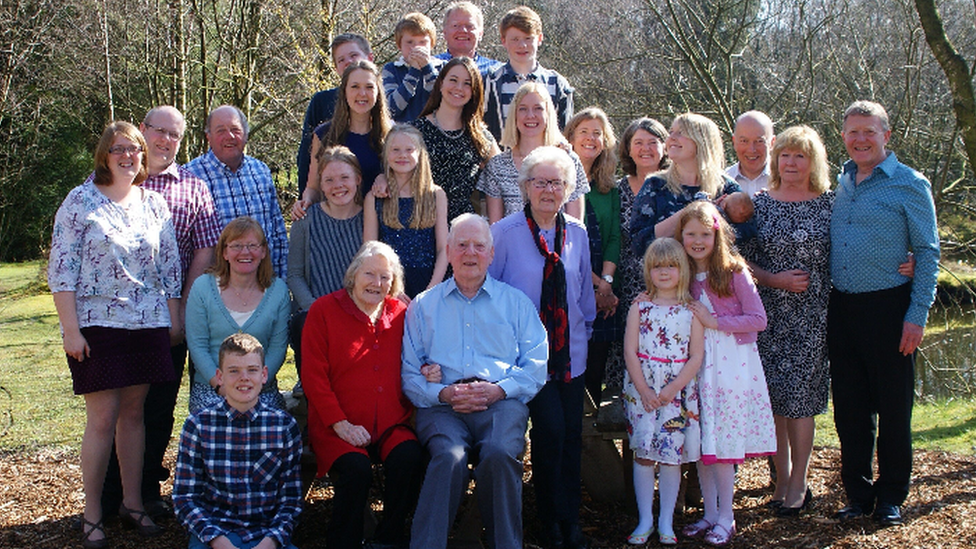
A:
(41, 497)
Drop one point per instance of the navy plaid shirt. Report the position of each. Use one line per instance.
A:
(239, 473)
(500, 88)
(248, 191)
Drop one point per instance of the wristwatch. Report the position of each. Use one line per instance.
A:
(608, 278)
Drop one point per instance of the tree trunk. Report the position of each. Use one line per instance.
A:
(957, 72)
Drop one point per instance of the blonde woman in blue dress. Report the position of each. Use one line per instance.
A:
(663, 350)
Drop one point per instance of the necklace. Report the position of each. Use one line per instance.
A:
(450, 134)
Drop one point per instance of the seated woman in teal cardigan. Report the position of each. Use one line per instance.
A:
(239, 294)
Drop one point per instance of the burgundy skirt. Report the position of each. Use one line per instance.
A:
(122, 358)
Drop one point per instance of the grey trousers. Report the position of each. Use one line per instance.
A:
(497, 436)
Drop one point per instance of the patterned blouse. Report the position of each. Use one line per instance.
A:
(122, 262)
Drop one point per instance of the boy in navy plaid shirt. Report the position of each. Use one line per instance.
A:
(238, 482)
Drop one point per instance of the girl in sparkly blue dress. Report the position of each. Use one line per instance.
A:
(413, 220)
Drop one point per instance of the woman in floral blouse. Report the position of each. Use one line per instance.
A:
(114, 271)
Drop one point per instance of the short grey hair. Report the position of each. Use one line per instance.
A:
(367, 250)
(553, 156)
(468, 218)
(868, 108)
(240, 116)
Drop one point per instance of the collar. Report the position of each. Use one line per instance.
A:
(171, 172)
(535, 75)
(234, 414)
(400, 62)
(888, 166)
(735, 173)
(489, 287)
(384, 322)
(212, 158)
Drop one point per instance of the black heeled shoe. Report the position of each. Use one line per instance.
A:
(790, 512)
(133, 519)
(89, 528)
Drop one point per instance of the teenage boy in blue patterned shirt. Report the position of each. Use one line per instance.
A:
(237, 482)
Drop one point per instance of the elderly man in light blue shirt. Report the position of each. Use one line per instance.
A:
(487, 342)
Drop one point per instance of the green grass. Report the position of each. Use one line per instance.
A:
(45, 412)
(39, 408)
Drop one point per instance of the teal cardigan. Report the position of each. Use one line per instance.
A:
(208, 323)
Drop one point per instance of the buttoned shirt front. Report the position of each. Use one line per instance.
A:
(873, 226)
(749, 186)
(247, 191)
(495, 336)
(500, 88)
(194, 215)
(239, 472)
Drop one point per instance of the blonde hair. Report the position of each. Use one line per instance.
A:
(239, 228)
(806, 140)
(605, 165)
(510, 133)
(421, 184)
(369, 249)
(725, 259)
(709, 156)
(415, 23)
(668, 252)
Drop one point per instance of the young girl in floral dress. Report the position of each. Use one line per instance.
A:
(736, 419)
(663, 349)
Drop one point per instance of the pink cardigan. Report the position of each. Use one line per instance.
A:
(742, 313)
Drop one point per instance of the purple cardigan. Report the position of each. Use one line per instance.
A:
(518, 263)
(741, 313)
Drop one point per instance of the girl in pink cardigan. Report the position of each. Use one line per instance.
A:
(736, 420)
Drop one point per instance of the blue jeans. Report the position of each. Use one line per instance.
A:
(195, 543)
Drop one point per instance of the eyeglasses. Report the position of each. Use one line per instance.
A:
(163, 132)
(119, 149)
(241, 247)
(550, 184)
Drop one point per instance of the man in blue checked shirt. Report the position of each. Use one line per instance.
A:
(883, 211)
(241, 184)
(238, 482)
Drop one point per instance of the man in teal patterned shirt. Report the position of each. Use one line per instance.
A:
(883, 212)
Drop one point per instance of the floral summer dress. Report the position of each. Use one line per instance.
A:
(736, 419)
(670, 434)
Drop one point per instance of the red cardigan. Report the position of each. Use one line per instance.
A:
(351, 371)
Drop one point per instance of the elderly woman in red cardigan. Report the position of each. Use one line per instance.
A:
(357, 411)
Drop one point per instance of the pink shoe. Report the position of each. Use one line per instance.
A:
(696, 529)
(720, 536)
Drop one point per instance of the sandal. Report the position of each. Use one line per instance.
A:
(87, 529)
(720, 536)
(637, 538)
(696, 529)
(133, 519)
(667, 539)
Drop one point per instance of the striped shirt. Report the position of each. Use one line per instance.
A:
(873, 226)
(407, 88)
(500, 88)
(239, 472)
(248, 191)
(321, 249)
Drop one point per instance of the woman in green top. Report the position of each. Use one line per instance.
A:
(593, 140)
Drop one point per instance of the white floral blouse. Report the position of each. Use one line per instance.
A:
(122, 262)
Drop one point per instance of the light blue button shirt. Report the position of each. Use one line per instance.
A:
(495, 336)
(873, 226)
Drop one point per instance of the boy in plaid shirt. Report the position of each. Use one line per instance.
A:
(237, 482)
